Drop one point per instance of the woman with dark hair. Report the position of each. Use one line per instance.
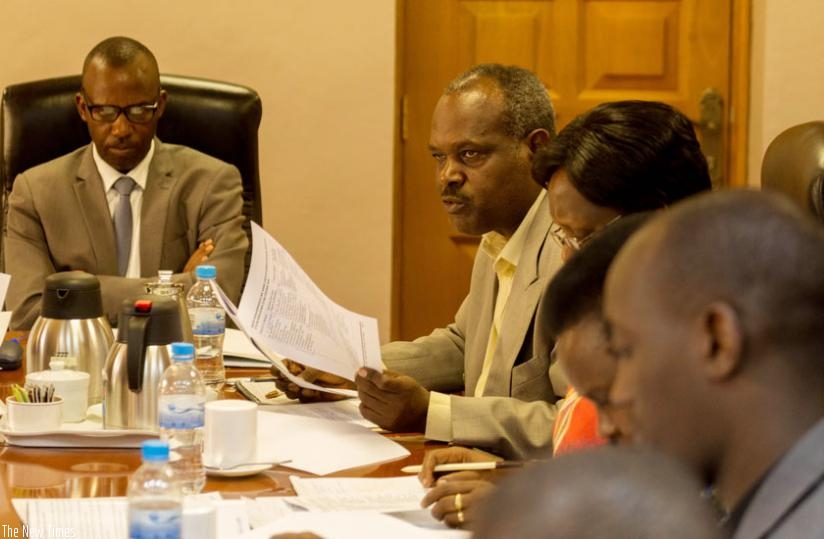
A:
(616, 159)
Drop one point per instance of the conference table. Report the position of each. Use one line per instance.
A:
(27, 472)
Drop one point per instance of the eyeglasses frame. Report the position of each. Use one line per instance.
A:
(91, 107)
(575, 244)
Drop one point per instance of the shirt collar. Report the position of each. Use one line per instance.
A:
(109, 174)
(498, 248)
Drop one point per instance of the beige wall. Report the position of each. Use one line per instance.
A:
(787, 71)
(325, 72)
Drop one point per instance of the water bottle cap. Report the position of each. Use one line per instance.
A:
(205, 271)
(183, 351)
(155, 450)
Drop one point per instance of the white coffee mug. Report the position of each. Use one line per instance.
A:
(230, 433)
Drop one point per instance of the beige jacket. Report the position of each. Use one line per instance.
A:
(59, 220)
(516, 415)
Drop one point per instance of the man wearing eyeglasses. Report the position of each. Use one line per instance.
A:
(126, 205)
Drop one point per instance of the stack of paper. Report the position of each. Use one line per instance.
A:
(238, 351)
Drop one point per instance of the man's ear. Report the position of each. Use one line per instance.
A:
(161, 103)
(537, 138)
(81, 110)
(724, 341)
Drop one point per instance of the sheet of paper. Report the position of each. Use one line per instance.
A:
(351, 525)
(92, 518)
(236, 345)
(321, 446)
(275, 358)
(284, 312)
(384, 494)
(265, 509)
(5, 278)
(107, 518)
(346, 410)
(5, 318)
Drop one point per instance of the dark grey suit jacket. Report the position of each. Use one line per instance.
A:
(790, 502)
(59, 220)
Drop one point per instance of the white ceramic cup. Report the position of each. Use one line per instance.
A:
(34, 416)
(72, 385)
(230, 433)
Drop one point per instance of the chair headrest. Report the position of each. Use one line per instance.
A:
(794, 165)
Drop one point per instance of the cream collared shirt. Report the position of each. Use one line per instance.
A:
(140, 175)
(505, 255)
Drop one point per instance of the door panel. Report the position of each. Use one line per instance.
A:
(586, 51)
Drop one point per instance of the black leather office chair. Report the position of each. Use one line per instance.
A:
(794, 165)
(38, 122)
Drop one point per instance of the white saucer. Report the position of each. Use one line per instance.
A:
(240, 471)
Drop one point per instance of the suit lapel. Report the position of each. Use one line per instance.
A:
(155, 207)
(791, 479)
(94, 210)
(476, 347)
(519, 314)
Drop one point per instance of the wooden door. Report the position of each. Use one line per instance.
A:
(586, 51)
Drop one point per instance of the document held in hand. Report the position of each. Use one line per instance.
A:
(287, 316)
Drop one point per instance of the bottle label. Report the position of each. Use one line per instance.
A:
(207, 320)
(181, 411)
(155, 523)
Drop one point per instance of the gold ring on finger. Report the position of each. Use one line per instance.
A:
(460, 517)
(458, 504)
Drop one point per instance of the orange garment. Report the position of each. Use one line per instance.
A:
(576, 426)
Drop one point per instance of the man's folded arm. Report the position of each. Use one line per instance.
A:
(221, 220)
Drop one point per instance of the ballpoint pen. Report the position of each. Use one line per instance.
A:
(464, 466)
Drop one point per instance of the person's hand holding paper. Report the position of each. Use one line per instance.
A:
(314, 376)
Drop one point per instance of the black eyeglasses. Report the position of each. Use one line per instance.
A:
(137, 114)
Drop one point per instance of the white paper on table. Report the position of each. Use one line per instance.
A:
(107, 518)
(320, 446)
(346, 410)
(384, 494)
(286, 315)
(5, 278)
(90, 518)
(5, 318)
(265, 509)
(237, 345)
(351, 525)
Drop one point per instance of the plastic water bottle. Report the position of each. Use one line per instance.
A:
(180, 410)
(155, 499)
(208, 326)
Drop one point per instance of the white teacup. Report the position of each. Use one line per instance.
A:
(230, 433)
(34, 416)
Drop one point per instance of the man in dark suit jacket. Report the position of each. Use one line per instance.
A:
(185, 206)
(716, 316)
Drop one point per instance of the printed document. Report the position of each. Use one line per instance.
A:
(286, 315)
